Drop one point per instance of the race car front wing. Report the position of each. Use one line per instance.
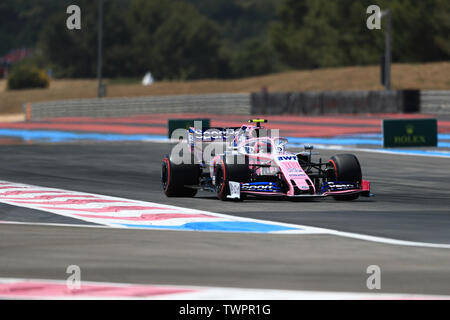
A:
(330, 188)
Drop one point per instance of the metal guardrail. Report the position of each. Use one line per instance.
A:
(435, 101)
(118, 107)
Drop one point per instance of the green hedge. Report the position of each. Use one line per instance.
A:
(26, 77)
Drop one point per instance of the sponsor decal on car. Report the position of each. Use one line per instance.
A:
(260, 186)
(338, 186)
(212, 134)
(287, 158)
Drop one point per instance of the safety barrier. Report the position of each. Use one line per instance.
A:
(436, 101)
(310, 103)
(117, 107)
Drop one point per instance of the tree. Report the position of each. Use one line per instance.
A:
(421, 30)
(243, 26)
(173, 40)
(255, 57)
(441, 28)
(169, 38)
(191, 39)
(320, 33)
(73, 53)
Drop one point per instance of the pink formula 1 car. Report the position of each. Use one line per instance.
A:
(251, 161)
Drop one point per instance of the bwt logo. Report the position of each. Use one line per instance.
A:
(73, 22)
(287, 158)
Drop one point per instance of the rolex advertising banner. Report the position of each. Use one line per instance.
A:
(409, 133)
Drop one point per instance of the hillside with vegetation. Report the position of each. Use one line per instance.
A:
(220, 39)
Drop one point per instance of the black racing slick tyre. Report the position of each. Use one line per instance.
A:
(229, 169)
(346, 168)
(175, 178)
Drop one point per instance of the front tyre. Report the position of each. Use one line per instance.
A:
(229, 169)
(346, 168)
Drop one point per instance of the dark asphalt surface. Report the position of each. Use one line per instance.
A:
(412, 203)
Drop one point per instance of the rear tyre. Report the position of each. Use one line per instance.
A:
(346, 168)
(175, 178)
(229, 169)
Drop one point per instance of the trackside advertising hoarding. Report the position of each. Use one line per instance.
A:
(409, 133)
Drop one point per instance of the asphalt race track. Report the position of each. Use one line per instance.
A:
(412, 203)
